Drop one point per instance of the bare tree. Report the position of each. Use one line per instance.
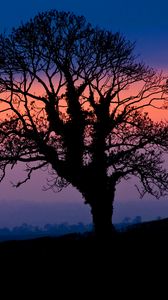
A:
(73, 99)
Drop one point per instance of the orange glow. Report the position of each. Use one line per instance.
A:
(156, 114)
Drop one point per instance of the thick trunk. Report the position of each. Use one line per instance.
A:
(101, 202)
(102, 218)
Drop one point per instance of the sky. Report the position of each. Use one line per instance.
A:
(144, 22)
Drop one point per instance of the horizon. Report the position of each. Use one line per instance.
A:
(127, 214)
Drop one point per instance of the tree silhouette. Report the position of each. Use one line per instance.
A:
(72, 99)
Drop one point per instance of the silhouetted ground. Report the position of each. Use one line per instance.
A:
(132, 257)
(143, 238)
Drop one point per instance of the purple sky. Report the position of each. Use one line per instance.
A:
(144, 22)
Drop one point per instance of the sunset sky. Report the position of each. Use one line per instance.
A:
(146, 23)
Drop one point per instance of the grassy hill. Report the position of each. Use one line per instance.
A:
(131, 257)
(142, 238)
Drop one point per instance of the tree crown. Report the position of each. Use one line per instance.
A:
(72, 97)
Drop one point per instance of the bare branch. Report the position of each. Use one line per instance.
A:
(29, 171)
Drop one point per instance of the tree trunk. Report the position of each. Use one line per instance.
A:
(102, 219)
(102, 210)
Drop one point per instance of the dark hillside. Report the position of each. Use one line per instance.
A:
(134, 257)
(143, 239)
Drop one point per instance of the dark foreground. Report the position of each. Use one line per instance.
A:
(131, 258)
(143, 240)
(146, 242)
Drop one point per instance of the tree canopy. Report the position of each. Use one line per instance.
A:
(73, 99)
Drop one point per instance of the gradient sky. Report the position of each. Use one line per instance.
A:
(144, 22)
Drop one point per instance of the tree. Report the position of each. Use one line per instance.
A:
(73, 99)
